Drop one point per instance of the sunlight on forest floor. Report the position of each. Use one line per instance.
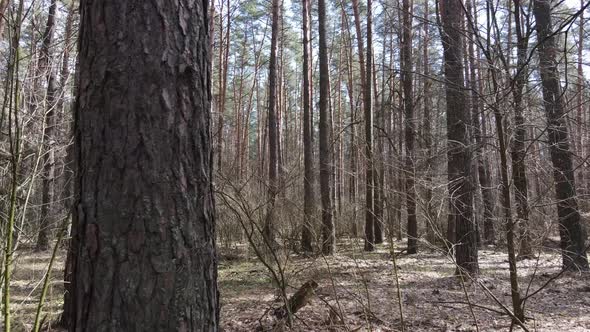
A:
(27, 283)
(433, 300)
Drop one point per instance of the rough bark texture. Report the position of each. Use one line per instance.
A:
(570, 227)
(328, 231)
(458, 154)
(146, 257)
(309, 200)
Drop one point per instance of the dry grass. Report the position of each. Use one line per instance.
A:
(432, 298)
(27, 280)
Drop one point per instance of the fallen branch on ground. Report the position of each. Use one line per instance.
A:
(298, 300)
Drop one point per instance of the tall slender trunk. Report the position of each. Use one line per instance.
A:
(570, 227)
(400, 179)
(353, 186)
(430, 215)
(308, 199)
(328, 231)
(223, 68)
(70, 171)
(273, 134)
(518, 142)
(46, 68)
(483, 171)
(410, 130)
(458, 154)
(368, 105)
(581, 134)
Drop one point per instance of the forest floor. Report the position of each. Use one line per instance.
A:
(357, 292)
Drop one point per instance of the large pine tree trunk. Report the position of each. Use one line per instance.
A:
(570, 227)
(146, 256)
(458, 153)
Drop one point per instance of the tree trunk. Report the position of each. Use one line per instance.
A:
(570, 227)
(483, 169)
(580, 110)
(328, 231)
(146, 258)
(353, 140)
(458, 154)
(431, 219)
(3, 6)
(308, 199)
(46, 69)
(273, 134)
(518, 143)
(410, 131)
(70, 172)
(223, 67)
(368, 108)
(365, 70)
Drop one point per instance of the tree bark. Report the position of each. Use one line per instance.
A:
(223, 68)
(582, 189)
(518, 143)
(328, 231)
(365, 72)
(570, 227)
(409, 130)
(458, 154)
(483, 169)
(273, 133)
(46, 68)
(431, 219)
(353, 187)
(308, 199)
(70, 173)
(146, 258)
(368, 108)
